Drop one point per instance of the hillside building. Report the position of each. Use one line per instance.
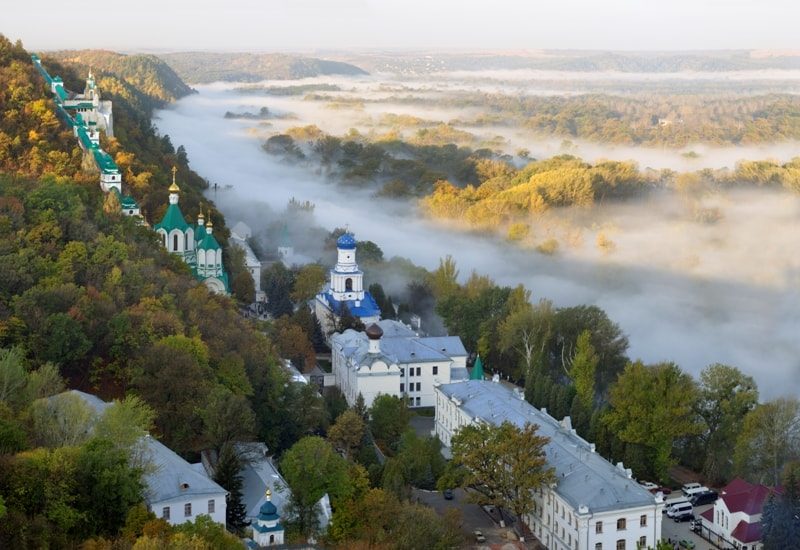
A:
(174, 489)
(593, 505)
(345, 290)
(389, 358)
(195, 244)
(240, 234)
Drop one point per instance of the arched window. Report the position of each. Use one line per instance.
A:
(175, 242)
(348, 284)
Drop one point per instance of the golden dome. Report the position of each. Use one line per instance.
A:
(174, 187)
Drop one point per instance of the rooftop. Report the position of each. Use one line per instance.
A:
(367, 308)
(742, 496)
(400, 345)
(584, 477)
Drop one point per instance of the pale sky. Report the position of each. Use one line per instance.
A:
(308, 25)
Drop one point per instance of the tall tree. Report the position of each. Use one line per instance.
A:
(780, 520)
(526, 333)
(307, 282)
(769, 438)
(653, 405)
(504, 464)
(348, 431)
(389, 418)
(726, 396)
(228, 475)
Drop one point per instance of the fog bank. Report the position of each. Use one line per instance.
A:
(695, 294)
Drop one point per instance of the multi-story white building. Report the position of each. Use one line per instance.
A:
(240, 233)
(389, 358)
(174, 489)
(593, 505)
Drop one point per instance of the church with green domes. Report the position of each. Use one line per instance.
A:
(194, 243)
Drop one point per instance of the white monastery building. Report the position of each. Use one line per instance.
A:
(389, 358)
(593, 505)
(175, 490)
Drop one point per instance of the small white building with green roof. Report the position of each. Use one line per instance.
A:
(196, 244)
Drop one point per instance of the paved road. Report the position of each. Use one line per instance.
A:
(423, 425)
(680, 531)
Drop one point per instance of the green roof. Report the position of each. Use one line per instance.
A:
(208, 242)
(173, 219)
(477, 370)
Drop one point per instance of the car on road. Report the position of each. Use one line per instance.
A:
(685, 516)
(690, 487)
(479, 536)
(664, 490)
(706, 497)
(686, 543)
(448, 494)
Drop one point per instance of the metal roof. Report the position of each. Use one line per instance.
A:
(584, 478)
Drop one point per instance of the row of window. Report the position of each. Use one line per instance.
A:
(621, 524)
(411, 386)
(641, 544)
(187, 509)
(417, 371)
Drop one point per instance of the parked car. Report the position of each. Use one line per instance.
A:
(706, 497)
(679, 507)
(696, 525)
(649, 485)
(690, 486)
(479, 536)
(448, 494)
(684, 516)
(664, 490)
(686, 543)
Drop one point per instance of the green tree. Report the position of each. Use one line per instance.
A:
(780, 519)
(526, 333)
(503, 464)
(13, 375)
(228, 475)
(308, 281)
(109, 487)
(312, 468)
(769, 439)
(348, 431)
(653, 406)
(726, 396)
(444, 280)
(389, 418)
(124, 424)
(62, 420)
(227, 417)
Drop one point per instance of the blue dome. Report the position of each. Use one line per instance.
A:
(346, 242)
(267, 510)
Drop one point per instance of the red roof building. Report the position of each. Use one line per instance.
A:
(735, 519)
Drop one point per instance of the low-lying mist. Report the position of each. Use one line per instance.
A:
(683, 290)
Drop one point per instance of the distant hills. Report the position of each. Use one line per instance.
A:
(146, 74)
(204, 67)
(582, 61)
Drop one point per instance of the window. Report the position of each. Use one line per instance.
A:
(417, 400)
(411, 371)
(621, 524)
(211, 506)
(403, 372)
(598, 546)
(621, 544)
(175, 242)
(419, 386)
(642, 542)
(187, 509)
(419, 371)
(402, 387)
(598, 527)
(643, 521)
(348, 284)
(165, 512)
(435, 369)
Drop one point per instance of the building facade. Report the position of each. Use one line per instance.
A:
(389, 358)
(735, 519)
(239, 235)
(345, 290)
(593, 505)
(195, 244)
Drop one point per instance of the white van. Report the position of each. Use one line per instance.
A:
(674, 502)
(695, 491)
(689, 487)
(679, 509)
